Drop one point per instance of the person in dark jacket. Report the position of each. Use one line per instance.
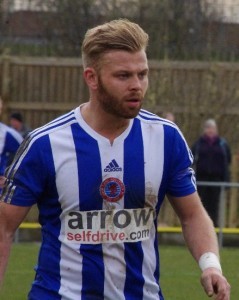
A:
(212, 158)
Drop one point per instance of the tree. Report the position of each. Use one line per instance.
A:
(178, 29)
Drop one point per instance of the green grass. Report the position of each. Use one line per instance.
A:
(180, 278)
(180, 275)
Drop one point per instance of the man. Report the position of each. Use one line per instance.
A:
(212, 161)
(105, 168)
(10, 141)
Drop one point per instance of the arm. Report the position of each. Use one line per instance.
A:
(10, 218)
(200, 238)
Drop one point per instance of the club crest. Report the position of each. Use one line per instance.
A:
(112, 189)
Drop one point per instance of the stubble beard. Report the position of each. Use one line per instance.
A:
(113, 105)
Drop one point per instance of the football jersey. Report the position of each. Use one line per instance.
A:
(98, 204)
(10, 141)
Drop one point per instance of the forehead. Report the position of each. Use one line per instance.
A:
(210, 127)
(119, 60)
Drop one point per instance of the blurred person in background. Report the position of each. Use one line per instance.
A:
(17, 122)
(10, 141)
(169, 116)
(212, 158)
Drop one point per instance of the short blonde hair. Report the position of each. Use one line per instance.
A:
(118, 34)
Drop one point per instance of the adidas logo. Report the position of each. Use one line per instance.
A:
(113, 167)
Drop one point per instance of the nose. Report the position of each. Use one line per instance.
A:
(135, 83)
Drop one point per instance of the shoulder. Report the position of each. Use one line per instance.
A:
(223, 141)
(169, 129)
(38, 140)
(150, 118)
(4, 128)
(37, 143)
(57, 124)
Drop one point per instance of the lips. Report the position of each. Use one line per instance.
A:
(134, 97)
(133, 102)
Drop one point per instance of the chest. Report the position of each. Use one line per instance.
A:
(94, 175)
(213, 150)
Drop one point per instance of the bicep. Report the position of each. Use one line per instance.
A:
(187, 207)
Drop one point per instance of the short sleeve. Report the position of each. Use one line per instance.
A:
(27, 176)
(181, 177)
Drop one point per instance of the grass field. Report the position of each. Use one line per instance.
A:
(179, 280)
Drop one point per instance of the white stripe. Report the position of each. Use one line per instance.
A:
(114, 262)
(153, 138)
(54, 122)
(15, 134)
(2, 137)
(4, 129)
(65, 159)
(33, 139)
(151, 287)
(190, 155)
(167, 123)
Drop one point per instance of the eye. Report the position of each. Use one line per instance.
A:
(142, 75)
(123, 75)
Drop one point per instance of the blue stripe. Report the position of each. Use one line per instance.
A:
(90, 177)
(47, 281)
(134, 181)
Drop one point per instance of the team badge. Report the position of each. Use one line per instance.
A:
(112, 189)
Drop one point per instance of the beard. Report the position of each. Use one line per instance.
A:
(115, 105)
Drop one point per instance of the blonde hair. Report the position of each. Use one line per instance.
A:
(118, 34)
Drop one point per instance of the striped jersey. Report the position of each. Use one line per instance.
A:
(98, 204)
(10, 141)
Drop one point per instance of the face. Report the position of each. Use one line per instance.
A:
(122, 83)
(210, 131)
(15, 123)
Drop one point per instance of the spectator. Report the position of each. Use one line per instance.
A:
(17, 122)
(212, 158)
(169, 116)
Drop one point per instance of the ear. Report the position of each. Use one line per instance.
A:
(91, 78)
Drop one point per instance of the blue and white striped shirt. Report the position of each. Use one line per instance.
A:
(98, 204)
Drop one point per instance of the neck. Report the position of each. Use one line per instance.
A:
(105, 124)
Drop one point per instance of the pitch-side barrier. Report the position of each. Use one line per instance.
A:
(221, 230)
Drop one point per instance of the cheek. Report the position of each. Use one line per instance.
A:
(145, 86)
(117, 87)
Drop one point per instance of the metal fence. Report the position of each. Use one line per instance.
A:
(222, 207)
(221, 230)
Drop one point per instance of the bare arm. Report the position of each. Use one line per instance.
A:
(200, 238)
(10, 218)
(197, 227)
